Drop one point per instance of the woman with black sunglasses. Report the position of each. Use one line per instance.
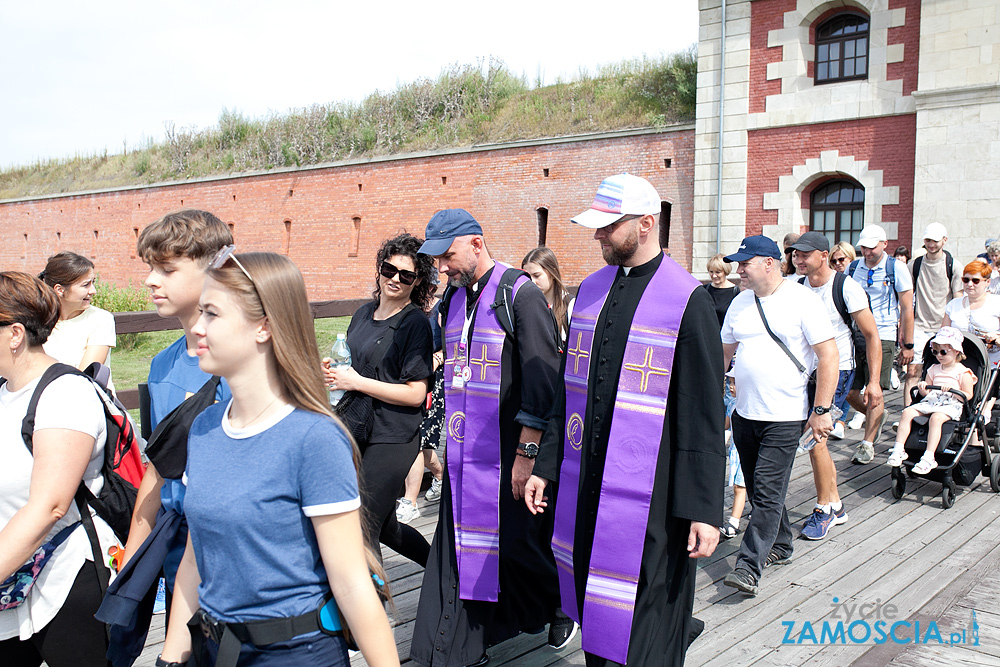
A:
(978, 312)
(398, 385)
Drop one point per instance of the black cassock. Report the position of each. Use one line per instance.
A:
(448, 631)
(690, 467)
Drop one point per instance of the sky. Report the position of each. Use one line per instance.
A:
(81, 78)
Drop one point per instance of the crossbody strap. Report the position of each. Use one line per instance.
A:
(784, 348)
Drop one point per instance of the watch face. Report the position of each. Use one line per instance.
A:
(530, 449)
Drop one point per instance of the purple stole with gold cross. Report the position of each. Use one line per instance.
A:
(633, 449)
(472, 409)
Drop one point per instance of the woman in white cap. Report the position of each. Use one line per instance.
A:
(942, 405)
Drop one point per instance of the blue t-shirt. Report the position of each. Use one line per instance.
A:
(174, 376)
(885, 302)
(251, 493)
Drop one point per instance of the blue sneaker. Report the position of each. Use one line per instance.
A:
(840, 516)
(817, 525)
(160, 606)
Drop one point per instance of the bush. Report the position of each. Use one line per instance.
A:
(122, 300)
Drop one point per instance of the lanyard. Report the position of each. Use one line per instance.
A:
(462, 371)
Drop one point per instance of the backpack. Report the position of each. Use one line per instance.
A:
(503, 306)
(949, 266)
(890, 274)
(122, 469)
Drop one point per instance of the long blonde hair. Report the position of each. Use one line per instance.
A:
(546, 260)
(278, 292)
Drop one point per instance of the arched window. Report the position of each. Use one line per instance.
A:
(842, 48)
(838, 210)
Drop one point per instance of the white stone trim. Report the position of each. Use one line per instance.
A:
(788, 199)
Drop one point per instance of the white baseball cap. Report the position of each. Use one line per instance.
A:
(870, 236)
(618, 196)
(935, 232)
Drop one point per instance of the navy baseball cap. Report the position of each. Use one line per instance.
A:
(754, 246)
(445, 226)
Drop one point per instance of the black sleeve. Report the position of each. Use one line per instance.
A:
(536, 346)
(550, 449)
(697, 415)
(414, 348)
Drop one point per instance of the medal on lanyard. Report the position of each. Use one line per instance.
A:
(461, 366)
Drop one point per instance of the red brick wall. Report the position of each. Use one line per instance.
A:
(502, 188)
(765, 15)
(888, 144)
(909, 36)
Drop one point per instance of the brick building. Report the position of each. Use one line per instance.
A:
(331, 219)
(839, 113)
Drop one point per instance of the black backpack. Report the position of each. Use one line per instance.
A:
(860, 345)
(949, 267)
(503, 306)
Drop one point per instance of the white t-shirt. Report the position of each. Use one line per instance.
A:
(70, 338)
(856, 300)
(70, 402)
(986, 318)
(885, 304)
(769, 386)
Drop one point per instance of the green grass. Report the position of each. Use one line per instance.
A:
(465, 105)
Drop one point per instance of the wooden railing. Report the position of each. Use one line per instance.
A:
(149, 321)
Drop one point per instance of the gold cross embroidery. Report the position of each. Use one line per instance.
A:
(483, 362)
(451, 359)
(647, 369)
(578, 353)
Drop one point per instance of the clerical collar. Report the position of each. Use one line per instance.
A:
(643, 269)
(472, 294)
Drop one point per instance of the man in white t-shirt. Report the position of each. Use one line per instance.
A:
(890, 290)
(771, 395)
(936, 281)
(810, 255)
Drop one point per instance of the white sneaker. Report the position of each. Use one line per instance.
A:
(893, 379)
(838, 431)
(434, 493)
(406, 511)
(857, 421)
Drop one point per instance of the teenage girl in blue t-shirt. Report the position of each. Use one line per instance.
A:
(272, 497)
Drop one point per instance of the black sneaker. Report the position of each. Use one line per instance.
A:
(775, 559)
(562, 630)
(742, 580)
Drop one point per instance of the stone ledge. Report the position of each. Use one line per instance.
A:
(956, 97)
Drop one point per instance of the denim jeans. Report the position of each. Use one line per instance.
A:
(767, 451)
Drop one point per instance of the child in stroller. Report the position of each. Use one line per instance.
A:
(940, 404)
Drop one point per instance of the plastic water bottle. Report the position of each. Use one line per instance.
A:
(340, 357)
(807, 441)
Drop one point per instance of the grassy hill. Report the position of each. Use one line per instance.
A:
(465, 105)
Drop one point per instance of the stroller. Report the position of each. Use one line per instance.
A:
(958, 461)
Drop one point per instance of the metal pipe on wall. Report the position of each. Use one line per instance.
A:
(722, 105)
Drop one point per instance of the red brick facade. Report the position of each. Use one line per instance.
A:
(887, 144)
(309, 213)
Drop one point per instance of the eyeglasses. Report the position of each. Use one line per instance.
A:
(974, 281)
(871, 273)
(614, 225)
(941, 351)
(389, 271)
(224, 255)
(838, 260)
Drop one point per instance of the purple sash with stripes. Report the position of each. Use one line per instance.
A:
(633, 448)
(473, 455)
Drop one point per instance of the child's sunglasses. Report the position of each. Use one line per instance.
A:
(389, 271)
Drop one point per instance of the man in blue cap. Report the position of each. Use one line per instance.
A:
(491, 573)
(783, 333)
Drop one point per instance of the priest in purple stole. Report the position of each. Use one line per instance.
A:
(635, 441)
(491, 573)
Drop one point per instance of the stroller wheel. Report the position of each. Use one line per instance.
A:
(995, 474)
(948, 495)
(898, 483)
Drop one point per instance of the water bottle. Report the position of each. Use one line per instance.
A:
(340, 357)
(807, 441)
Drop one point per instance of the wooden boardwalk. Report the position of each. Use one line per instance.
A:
(934, 565)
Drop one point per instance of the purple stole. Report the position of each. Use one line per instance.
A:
(473, 421)
(633, 449)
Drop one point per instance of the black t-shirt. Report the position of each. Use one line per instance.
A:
(721, 298)
(409, 358)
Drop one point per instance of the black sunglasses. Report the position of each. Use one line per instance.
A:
(974, 281)
(941, 351)
(389, 271)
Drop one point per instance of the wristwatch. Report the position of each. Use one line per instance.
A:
(160, 662)
(820, 410)
(528, 450)
(907, 346)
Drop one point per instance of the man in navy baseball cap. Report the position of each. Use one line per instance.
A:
(754, 246)
(446, 226)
